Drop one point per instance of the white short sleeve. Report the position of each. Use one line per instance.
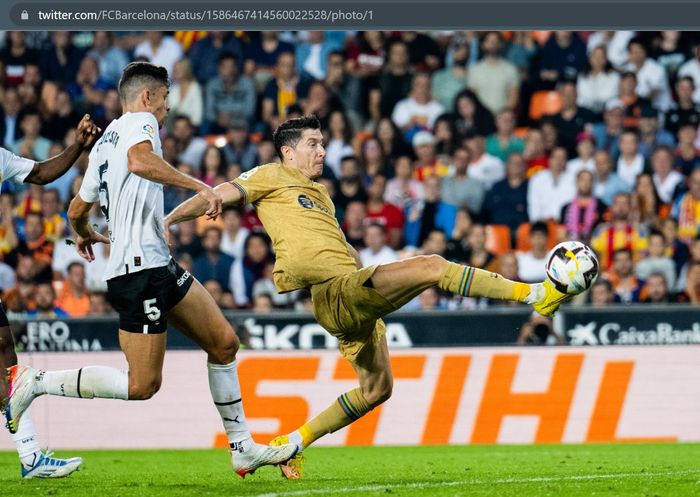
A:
(13, 167)
(89, 189)
(144, 128)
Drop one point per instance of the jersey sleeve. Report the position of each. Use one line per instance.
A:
(257, 183)
(13, 167)
(144, 127)
(90, 188)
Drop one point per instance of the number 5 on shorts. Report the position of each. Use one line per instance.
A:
(151, 310)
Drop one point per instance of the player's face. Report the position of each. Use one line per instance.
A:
(310, 153)
(158, 104)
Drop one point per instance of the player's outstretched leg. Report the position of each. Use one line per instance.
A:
(33, 463)
(373, 369)
(198, 317)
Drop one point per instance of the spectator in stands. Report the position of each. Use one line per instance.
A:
(432, 214)
(62, 117)
(213, 166)
(471, 116)
(572, 119)
(607, 182)
(367, 55)
(483, 166)
(619, 233)
(686, 209)
(419, 110)
(691, 292)
(691, 69)
(585, 150)
(461, 190)
(16, 56)
(261, 55)
(446, 139)
(187, 241)
(229, 95)
(319, 102)
(495, 80)
(388, 216)
(562, 58)
(538, 331)
(393, 84)
(234, 234)
(245, 272)
(46, 307)
(675, 248)
(403, 190)
(656, 290)
(631, 163)
(35, 247)
(391, 140)
(435, 243)
(652, 81)
(111, 59)
(657, 262)
(54, 216)
(32, 145)
(448, 82)
(684, 110)
(206, 52)
(598, 82)
(531, 264)
(376, 251)
(646, 203)
(666, 180)
(607, 134)
(239, 149)
(345, 88)
(339, 140)
(687, 156)
(627, 286)
(479, 256)
(73, 297)
(99, 304)
(262, 304)
(285, 89)
(312, 55)
(353, 224)
(429, 300)
(60, 59)
(504, 142)
(373, 160)
(159, 49)
(457, 247)
(111, 108)
(424, 52)
(506, 202)
(89, 88)
(190, 148)
(650, 135)
(213, 264)
(585, 211)
(10, 114)
(427, 164)
(602, 293)
(550, 189)
(351, 184)
(535, 153)
(185, 96)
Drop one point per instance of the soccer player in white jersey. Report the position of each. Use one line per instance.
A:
(34, 463)
(126, 172)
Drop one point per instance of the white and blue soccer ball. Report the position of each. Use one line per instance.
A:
(572, 267)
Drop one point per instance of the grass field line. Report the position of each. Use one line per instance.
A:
(427, 485)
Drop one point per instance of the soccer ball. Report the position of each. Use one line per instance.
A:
(572, 267)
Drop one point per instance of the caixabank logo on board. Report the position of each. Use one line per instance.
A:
(614, 333)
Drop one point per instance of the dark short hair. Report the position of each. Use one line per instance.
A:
(539, 227)
(623, 250)
(138, 75)
(289, 132)
(73, 264)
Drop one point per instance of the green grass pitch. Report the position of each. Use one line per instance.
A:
(664, 470)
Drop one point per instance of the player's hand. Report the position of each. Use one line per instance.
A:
(166, 233)
(215, 202)
(84, 244)
(87, 132)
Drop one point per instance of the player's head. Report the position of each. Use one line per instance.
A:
(299, 143)
(144, 87)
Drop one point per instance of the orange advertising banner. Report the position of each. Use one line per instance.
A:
(441, 396)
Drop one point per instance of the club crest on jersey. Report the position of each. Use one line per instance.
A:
(305, 202)
(149, 130)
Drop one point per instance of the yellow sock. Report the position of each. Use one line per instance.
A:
(349, 407)
(472, 282)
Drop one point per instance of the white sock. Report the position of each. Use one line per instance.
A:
(296, 438)
(26, 442)
(226, 393)
(92, 381)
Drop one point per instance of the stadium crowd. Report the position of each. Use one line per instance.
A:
(486, 148)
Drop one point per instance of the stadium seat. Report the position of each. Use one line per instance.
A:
(498, 239)
(543, 103)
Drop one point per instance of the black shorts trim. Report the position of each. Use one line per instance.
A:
(144, 298)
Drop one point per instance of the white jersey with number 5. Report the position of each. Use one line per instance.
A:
(132, 205)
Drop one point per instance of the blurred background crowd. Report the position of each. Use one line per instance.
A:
(485, 147)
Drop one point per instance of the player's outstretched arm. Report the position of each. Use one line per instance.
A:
(50, 169)
(78, 213)
(143, 162)
(196, 206)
